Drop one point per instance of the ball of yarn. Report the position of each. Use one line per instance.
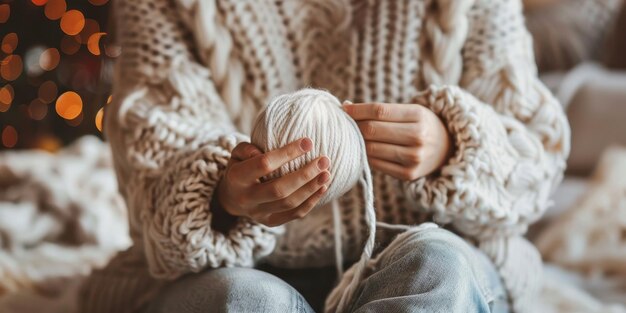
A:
(318, 115)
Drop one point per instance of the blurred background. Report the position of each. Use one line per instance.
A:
(61, 215)
(55, 72)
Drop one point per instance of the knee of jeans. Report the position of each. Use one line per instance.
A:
(253, 283)
(224, 290)
(438, 250)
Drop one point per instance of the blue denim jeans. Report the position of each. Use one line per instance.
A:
(431, 271)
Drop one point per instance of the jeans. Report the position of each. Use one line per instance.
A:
(431, 271)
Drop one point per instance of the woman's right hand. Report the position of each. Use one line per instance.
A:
(277, 201)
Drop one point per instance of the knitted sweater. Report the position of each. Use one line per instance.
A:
(194, 73)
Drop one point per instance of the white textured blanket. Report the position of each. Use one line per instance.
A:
(60, 217)
(588, 244)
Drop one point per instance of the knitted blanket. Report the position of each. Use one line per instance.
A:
(60, 216)
(589, 240)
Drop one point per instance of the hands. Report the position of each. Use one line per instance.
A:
(407, 141)
(277, 201)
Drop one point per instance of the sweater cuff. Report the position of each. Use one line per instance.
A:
(179, 237)
(467, 190)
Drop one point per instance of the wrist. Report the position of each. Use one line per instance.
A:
(221, 200)
(223, 219)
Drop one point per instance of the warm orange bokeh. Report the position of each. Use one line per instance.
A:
(48, 143)
(55, 8)
(99, 116)
(49, 59)
(11, 67)
(69, 105)
(47, 91)
(93, 45)
(5, 12)
(39, 2)
(9, 137)
(6, 98)
(72, 22)
(9, 43)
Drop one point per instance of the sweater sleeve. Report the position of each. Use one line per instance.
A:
(510, 134)
(172, 137)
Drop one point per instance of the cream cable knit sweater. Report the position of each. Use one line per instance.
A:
(194, 73)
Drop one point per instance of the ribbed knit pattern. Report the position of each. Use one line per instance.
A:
(194, 74)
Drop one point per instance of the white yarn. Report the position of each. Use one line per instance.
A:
(338, 243)
(317, 114)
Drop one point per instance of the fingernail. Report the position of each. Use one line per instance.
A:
(323, 163)
(306, 144)
(347, 102)
(323, 189)
(324, 177)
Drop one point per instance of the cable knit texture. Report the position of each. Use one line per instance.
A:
(194, 74)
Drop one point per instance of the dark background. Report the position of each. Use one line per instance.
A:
(33, 112)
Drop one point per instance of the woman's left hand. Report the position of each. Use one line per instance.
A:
(407, 141)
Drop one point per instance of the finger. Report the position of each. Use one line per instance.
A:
(392, 169)
(283, 187)
(295, 199)
(403, 155)
(389, 132)
(265, 164)
(244, 151)
(299, 212)
(390, 112)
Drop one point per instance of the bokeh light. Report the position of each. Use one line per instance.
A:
(9, 136)
(99, 117)
(47, 91)
(11, 67)
(52, 89)
(55, 9)
(69, 105)
(69, 45)
(72, 22)
(31, 60)
(9, 43)
(6, 97)
(49, 59)
(37, 110)
(48, 143)
(39, 2)
(93, 45)
(5, 12)
(98, 2)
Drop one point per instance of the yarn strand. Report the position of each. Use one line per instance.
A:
(338, 244)
(343, 293)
